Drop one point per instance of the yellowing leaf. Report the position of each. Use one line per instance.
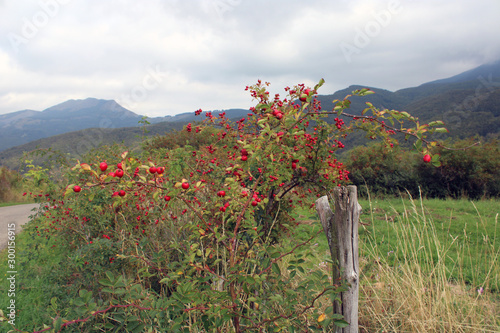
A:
(441, 130)
(69, 189)
(321, 318)
(85, 166)
(202, 232)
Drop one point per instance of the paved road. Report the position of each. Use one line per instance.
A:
(17, 215)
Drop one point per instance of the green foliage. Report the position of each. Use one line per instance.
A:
(9, 185)
(466, 170)
(382, 171)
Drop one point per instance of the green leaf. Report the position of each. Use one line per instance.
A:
(418, 145)
(341, 323)
(119, 282)
(57, 324)
(120, 291)
(276, 269)
(266, 262)
(250, 280)
(275, 255)
(135, 327)
(79, 302)
(435, 160)
(110, 276)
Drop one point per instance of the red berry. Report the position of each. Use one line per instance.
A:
(427, 158)
(103, 166)
(254, 203)
(119, 166)
(122, 193)
(294, 165)
(244, 152)
(77, 188)
(152, 169)
(119, 173)
(167, 198)
(221, 193)
(185, 185)
(244, 158)
(114, 194)
(160, 170)
(303, 97)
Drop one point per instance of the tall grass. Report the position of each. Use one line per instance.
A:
(421, 284)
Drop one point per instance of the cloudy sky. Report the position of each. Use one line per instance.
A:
(164, 57)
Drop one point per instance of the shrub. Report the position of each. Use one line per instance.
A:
(196, 238)
(383, 171)
(468, 169)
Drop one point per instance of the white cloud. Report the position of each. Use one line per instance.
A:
(209, 50)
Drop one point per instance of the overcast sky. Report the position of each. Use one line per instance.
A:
(164, 57)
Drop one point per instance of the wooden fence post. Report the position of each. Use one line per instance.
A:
(341, 229)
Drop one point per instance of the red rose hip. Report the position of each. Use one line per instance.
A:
(103, 166)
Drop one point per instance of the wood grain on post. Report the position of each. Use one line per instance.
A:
(341, 229)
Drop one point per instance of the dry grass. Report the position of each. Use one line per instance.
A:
(413, 291)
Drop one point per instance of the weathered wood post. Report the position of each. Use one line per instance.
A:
(341, 229)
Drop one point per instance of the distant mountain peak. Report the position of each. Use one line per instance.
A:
(79, 104)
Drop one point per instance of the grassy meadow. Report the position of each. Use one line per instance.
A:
(426, 265)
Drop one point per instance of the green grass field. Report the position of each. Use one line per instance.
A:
(461, 233)
(426, 265)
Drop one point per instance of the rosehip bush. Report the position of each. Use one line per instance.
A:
(202, 234)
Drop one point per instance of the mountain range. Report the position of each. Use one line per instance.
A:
(25, 126)
(468, 103)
